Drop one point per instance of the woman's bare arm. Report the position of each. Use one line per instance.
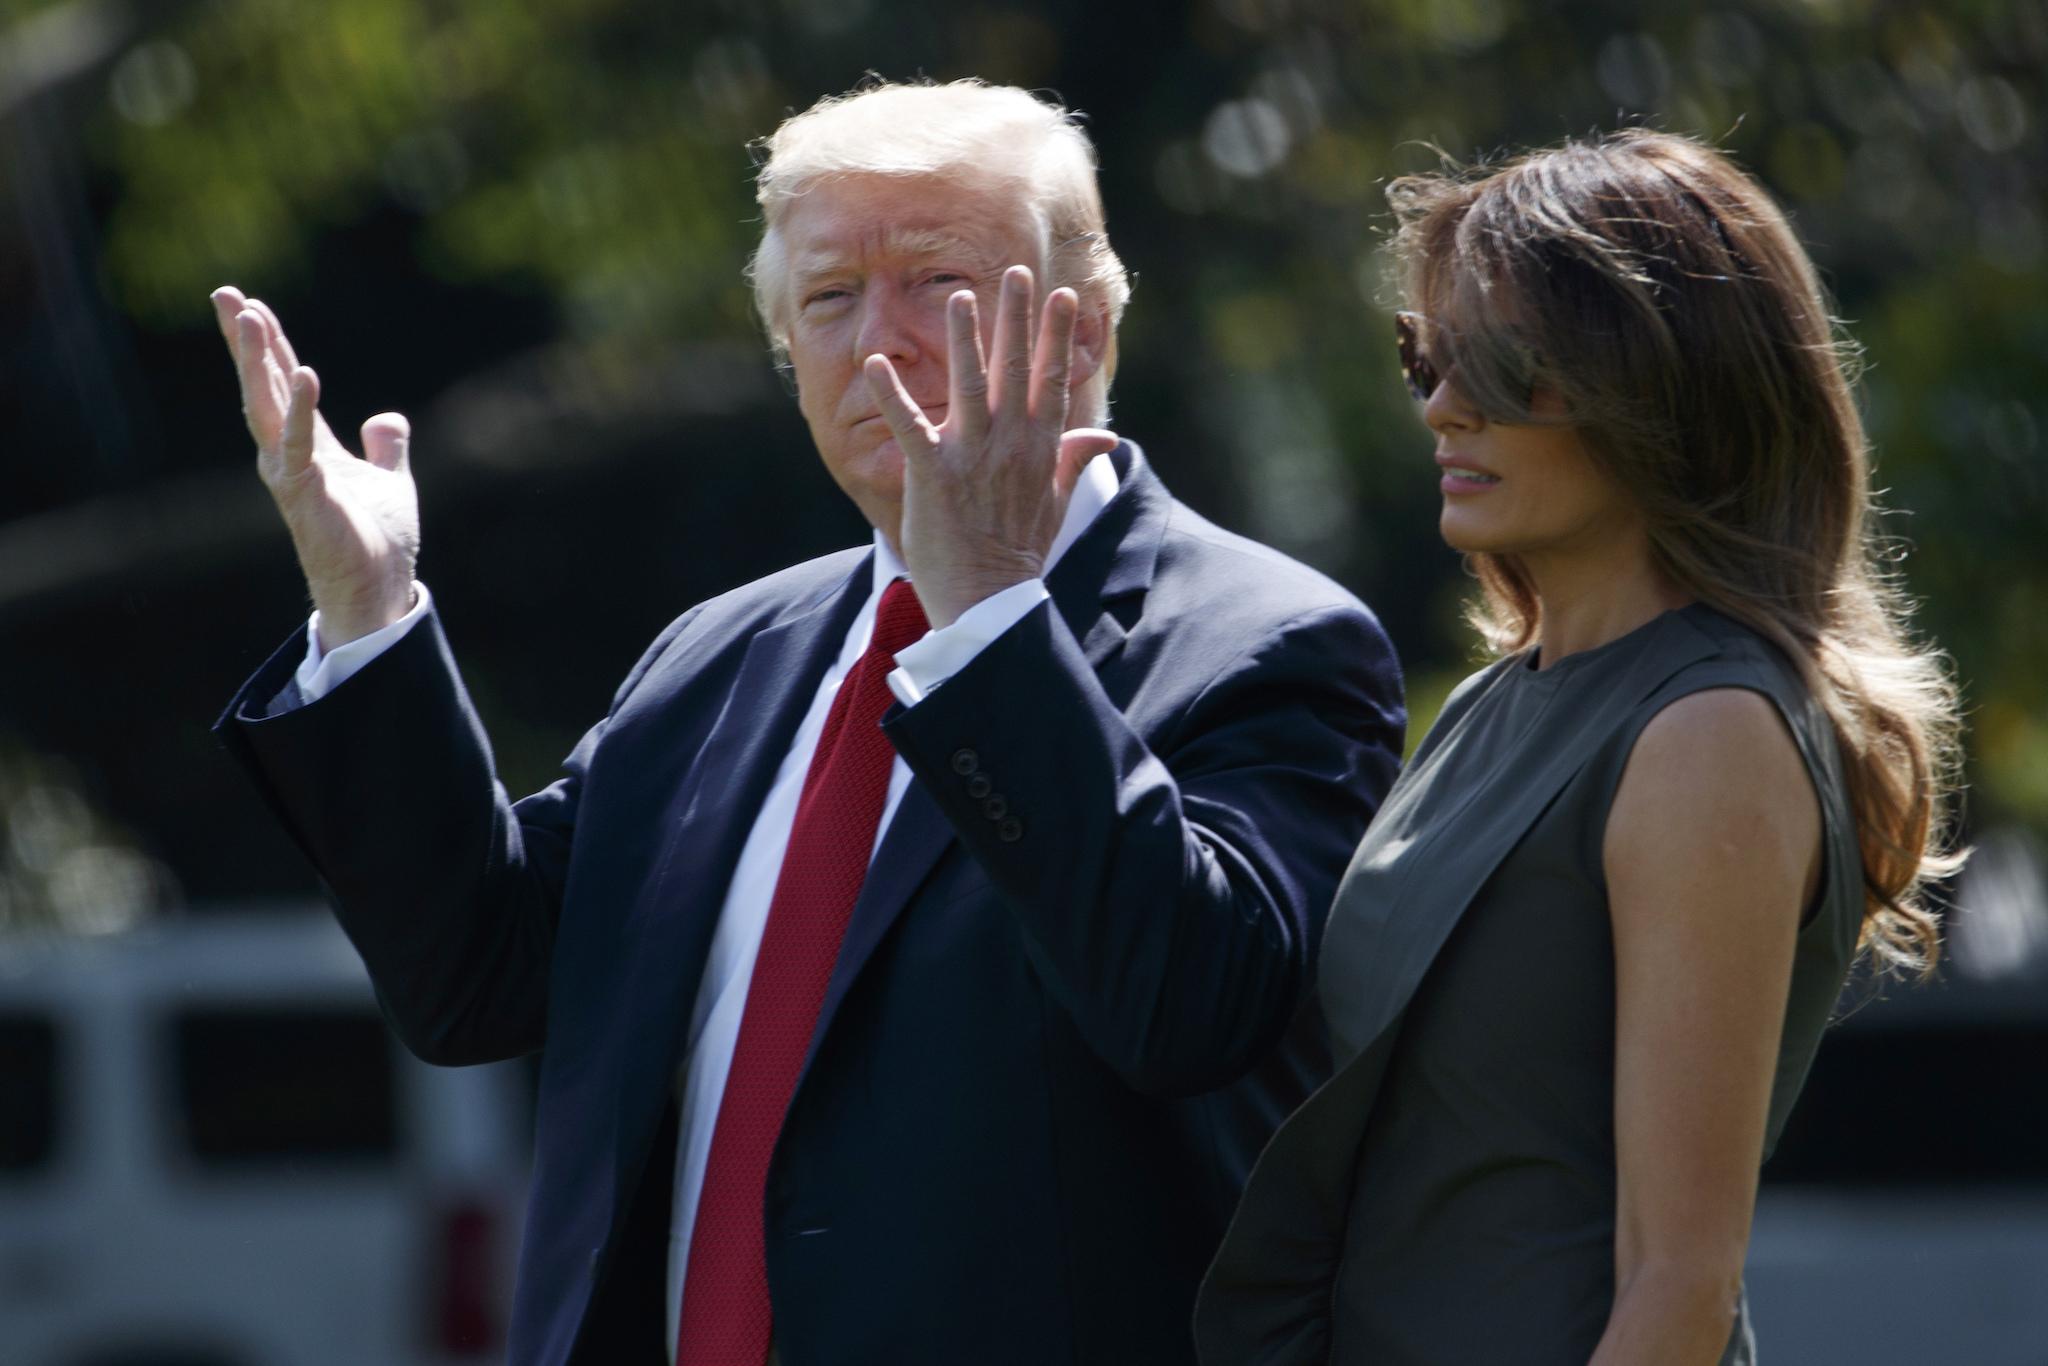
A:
(1712, 849)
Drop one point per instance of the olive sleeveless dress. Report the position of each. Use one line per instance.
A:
(1448, 1197)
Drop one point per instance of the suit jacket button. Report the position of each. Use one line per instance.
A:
(1010, 831)
(979, 786)
(965, 761)
(995, 808)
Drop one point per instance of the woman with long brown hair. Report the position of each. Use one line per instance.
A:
(1581, 962)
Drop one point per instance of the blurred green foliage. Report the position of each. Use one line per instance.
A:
(593, 150)
(532, 140)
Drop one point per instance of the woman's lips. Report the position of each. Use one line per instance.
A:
(1459, 476)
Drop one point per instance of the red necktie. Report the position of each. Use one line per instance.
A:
(727, 1319)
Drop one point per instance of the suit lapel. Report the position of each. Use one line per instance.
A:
(771, 691)
(713, 812)
(1097, 588)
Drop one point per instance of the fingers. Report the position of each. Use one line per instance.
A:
(1053, 362)
(263, 359)
(967, 382)
(387, 442)
(230, 303)
(227, 302)
(913, 431)
(265, 393)
(287, 359)
(1077, 448)
(304, 401)
(1011, 389)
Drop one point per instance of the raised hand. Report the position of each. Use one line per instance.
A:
(984, 493)
(355, 523)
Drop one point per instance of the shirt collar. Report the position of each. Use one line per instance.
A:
(1092, 492)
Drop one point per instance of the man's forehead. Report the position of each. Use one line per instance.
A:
(902, 216)
(897, 239)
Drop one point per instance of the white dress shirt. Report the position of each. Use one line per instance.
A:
(729, 965)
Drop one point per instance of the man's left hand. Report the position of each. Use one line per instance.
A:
(984, 493)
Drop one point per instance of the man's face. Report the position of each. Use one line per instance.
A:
(871, 261)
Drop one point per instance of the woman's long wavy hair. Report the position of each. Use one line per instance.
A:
(1659, 292)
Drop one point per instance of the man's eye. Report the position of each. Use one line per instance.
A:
(830, 294)
(945, 277)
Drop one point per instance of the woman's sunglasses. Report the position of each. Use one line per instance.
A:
(1422, 377)
(1417, 370)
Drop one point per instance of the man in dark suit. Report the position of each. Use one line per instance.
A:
(917, 967)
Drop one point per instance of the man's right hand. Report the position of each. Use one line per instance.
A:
(355, 523)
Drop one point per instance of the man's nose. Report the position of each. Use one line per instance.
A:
(889, 326)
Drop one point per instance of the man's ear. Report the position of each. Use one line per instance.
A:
(1094, 344)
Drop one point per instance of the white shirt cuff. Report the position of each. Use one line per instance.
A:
(924, 665)
(320, 673)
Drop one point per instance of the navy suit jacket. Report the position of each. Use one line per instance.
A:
(1072, 1000)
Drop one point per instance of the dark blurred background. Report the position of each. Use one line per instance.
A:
(524, 224)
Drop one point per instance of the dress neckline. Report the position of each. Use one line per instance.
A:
(1579, 661)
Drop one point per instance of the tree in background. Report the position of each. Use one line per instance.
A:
(525, 223)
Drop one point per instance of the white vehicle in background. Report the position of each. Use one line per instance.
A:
(213, 1153)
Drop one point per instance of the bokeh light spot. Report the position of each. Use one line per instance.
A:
(153, 84)
(1994, 115)
(1246, 138)
(1632, 69)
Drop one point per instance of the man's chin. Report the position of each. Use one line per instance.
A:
(873, 479)
(884, 463)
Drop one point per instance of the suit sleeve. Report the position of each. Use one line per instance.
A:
(448, 889)
(1170, 895)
